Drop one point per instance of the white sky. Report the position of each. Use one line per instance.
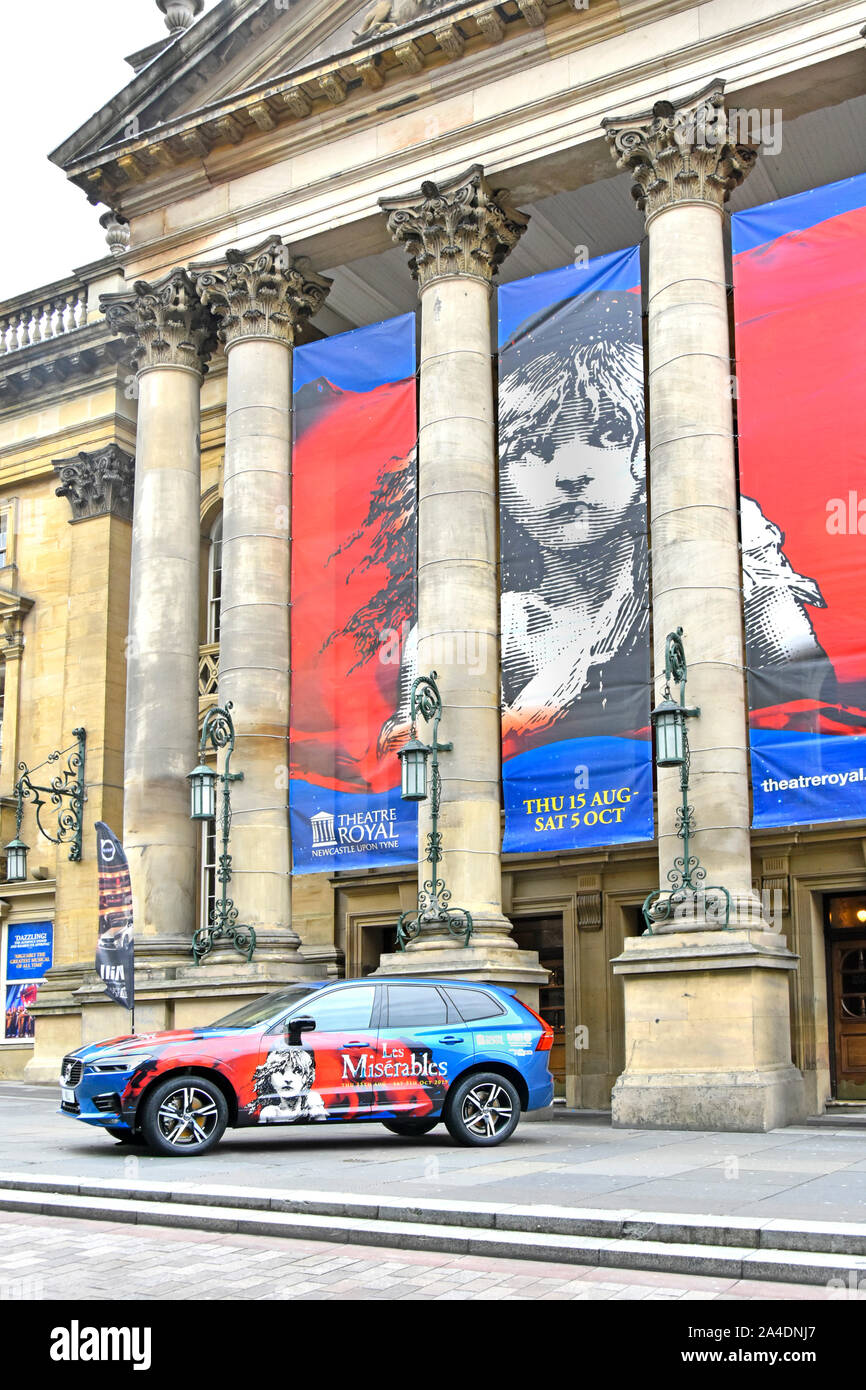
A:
(63, 61)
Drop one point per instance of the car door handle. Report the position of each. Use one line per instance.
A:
(451, 1040)
(353, 1042)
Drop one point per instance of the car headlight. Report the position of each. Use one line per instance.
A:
(128, 1063)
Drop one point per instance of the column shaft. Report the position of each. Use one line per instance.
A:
(458, 598)
(254, 622)
(695, 552)
(162, 666)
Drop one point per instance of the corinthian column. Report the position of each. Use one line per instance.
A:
(261, 296)
(710, 1047)
(170, 336)
(457, 234)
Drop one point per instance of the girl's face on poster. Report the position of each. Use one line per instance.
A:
(573, 479)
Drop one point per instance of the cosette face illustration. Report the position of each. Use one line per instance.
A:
(408, 1054)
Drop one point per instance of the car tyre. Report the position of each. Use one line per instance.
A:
(125, 1136)
(483, 1110)
(409, 1128)
(184, 1115)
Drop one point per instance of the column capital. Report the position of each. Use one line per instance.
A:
(459, 227)
(97, 484)
(261, 292)
(680, 152)
(163, 322)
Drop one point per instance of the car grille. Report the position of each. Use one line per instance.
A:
(71, 1071)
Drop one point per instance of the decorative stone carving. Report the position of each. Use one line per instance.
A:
(99, 483)
(298, 102)
(163, 323)
(14, 608)
(589, 911)
(462, 227)
(385, 15)
(491, 25)
(776, 879)
(116, 232)
(588, 902)
(263, 292)
(680, 152)
(180, 15)
(450, 39)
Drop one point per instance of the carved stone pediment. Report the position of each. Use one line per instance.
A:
(98, 484)
(386, 15)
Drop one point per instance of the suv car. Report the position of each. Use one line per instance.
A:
(408, 1053)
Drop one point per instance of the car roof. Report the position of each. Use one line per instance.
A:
(425, 980)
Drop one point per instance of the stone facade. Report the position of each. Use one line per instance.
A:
(256, 205)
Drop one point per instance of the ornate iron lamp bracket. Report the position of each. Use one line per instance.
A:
(65, 795)
(434, 897)
(218, 730)
(687, 878)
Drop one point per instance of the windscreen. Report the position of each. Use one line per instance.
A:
(263, 1009)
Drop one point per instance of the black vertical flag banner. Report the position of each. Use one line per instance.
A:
(115, 947)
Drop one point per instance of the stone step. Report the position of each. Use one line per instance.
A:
(787, 1251)
(837, 1119)
(794, 1267)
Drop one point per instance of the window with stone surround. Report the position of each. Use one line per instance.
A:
(214, 582)
(207, 893)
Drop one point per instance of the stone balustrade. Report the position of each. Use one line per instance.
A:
(42, 315)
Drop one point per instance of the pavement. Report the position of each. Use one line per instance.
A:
(795, 1173)
(353, 1211)
(45, 1258)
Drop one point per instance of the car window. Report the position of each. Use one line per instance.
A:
(416, 1006)
(343, 1009)
(472, 1004)
(263, 1009)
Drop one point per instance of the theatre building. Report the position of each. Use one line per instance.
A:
(473, 392)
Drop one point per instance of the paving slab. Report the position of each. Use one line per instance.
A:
(797, 1173)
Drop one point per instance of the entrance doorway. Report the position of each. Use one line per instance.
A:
(544, 935)
(846, 971)
(366, 943)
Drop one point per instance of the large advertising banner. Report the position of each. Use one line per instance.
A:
(577, 756)
(800, 301)
(353, 595)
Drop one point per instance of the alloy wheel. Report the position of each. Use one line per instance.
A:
(187, 1117)
(486, 1109)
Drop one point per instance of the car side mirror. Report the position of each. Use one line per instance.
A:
(296, 1026)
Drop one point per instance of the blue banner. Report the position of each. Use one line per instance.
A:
(577, 756)
(353, 596)
(29, 950)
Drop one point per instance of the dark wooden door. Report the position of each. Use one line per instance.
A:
(848, 970)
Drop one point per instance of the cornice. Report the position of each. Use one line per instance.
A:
(49, 366)
(496, 138)
(113, 173)
(435, 40)
(31, 459)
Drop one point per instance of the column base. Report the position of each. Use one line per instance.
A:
(707, 910)
(735, 1101)
(707, 1033)
(493, 958)
(171, 991)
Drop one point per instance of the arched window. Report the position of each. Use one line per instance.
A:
(214, 580)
